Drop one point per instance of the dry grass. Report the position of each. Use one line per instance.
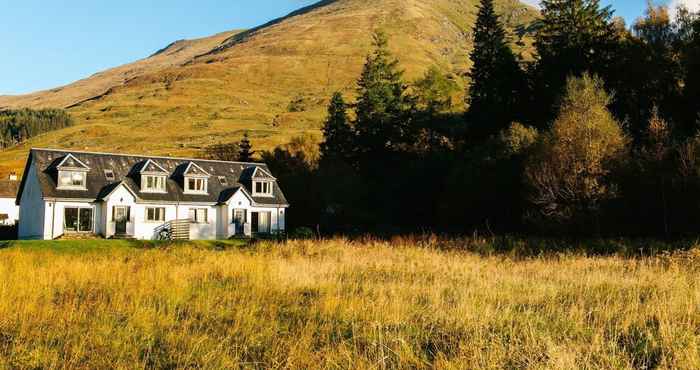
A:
(337, 304)
(163, 105)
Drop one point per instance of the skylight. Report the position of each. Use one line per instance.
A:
(223, 180)
(109, 175)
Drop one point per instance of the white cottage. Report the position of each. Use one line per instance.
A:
(142, 197)
(9, 211)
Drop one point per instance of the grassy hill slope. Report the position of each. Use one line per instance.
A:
(199, 92)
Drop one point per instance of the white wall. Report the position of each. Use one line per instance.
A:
(140, 228)
(31, 211)
(44, 220)
(8, 207)
(241, 201)
(204, 231)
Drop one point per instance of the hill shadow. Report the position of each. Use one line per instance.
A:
(245, 35)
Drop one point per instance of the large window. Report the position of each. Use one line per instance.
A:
(77, 219)
(195, 185)
(71, 179)
(155, 214)
(153, 184)
(198, 215)
(262, 188)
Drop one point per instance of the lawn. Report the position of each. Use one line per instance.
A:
(341, 304)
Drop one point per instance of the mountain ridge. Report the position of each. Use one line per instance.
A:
(196, 92)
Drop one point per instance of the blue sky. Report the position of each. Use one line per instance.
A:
(47, 43)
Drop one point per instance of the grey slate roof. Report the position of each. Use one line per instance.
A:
(8, 188)
(126, 169)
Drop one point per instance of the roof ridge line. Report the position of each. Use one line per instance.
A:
(143, 156)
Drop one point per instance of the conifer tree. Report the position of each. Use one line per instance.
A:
(245, 153)
(691, 64)
(497, 80)
(574, 36)
(381, 102)
(337, 133)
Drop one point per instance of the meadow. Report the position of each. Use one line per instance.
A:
(403, 303)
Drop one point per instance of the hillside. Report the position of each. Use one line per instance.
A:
(197, 92)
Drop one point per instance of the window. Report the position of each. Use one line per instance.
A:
(109, 175)
(195, 185)
(77, 219)
(155, 214)
(198, 215)
(71, 179)
(238, 217)
(223, 180)
(263, 188)
(153, 184)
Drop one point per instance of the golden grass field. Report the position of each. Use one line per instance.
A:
(341, 304)
(185, 98)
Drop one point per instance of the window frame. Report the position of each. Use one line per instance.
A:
(233, 215)
(157, 211)
(194, 212)
(156, 179)
(78, 229)
(72, 185)
(196, 181)
(266, 188)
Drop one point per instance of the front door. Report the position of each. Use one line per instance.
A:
(261, 222)
(254, 221)
(121, 216)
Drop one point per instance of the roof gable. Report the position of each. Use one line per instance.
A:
(69, 162)
(108, 190)
(194, 169)
(151, 166)
(261, 174)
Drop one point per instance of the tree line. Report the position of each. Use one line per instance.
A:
(598, 135)
(16, 126)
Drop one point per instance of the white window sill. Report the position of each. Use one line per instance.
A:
(196, 193)
(154, 191)
(71, 188)
(263, 195)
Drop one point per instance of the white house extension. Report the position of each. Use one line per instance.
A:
(141, 197)
(9, 211)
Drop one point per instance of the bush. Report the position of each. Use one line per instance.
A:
(302, 233)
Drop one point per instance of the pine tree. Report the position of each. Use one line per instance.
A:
(381, 102)
(691, 66)
(337, 133)
(497, 80)
(574, 36)
(246, 149)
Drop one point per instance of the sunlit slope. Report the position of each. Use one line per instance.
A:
(236, 82)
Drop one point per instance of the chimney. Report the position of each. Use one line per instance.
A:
(13, 176)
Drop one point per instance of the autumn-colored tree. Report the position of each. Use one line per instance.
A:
(569, 170)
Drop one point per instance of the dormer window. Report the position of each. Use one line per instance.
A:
(72, 174)
(262, 188)
(153, 177)
(71, 180)
(196, 179)
(196, 185)
(262, 182)
(153, 183)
